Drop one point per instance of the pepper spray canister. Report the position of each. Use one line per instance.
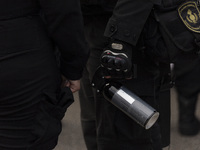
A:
(130, 104)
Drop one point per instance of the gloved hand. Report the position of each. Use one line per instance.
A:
(117, 59)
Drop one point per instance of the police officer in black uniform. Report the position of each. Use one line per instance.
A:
(140, 31)
(161, 28)
(31, 98)
(96, 15)
(185, 36)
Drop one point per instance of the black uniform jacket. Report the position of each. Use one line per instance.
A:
(97, 7)
(65, 27)
(128, 21)
(129, 18)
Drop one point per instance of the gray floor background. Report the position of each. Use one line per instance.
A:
(71, 137)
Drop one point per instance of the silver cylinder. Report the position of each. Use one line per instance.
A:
(132, 105)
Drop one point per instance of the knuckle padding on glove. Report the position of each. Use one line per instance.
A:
(117, 59)
(114, 60)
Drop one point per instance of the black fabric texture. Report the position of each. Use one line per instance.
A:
(32, 100)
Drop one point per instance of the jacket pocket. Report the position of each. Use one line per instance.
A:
(155, 46)
(174, 28)
(47, 125)
(57, 104)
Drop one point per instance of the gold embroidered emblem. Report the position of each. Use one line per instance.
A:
(190, 15)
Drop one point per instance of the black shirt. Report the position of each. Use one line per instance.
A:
(65, 27)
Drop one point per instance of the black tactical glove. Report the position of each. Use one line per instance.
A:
(117, 59)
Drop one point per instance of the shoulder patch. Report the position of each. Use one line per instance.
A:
(190, 15)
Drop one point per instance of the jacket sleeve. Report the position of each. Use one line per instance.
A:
(128, 19)
(65, 27)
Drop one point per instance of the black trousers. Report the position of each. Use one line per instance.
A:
(187, 83)
(112, 129)
(32, 102)
(187, 74)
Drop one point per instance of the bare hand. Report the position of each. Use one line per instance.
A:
(74, 85)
